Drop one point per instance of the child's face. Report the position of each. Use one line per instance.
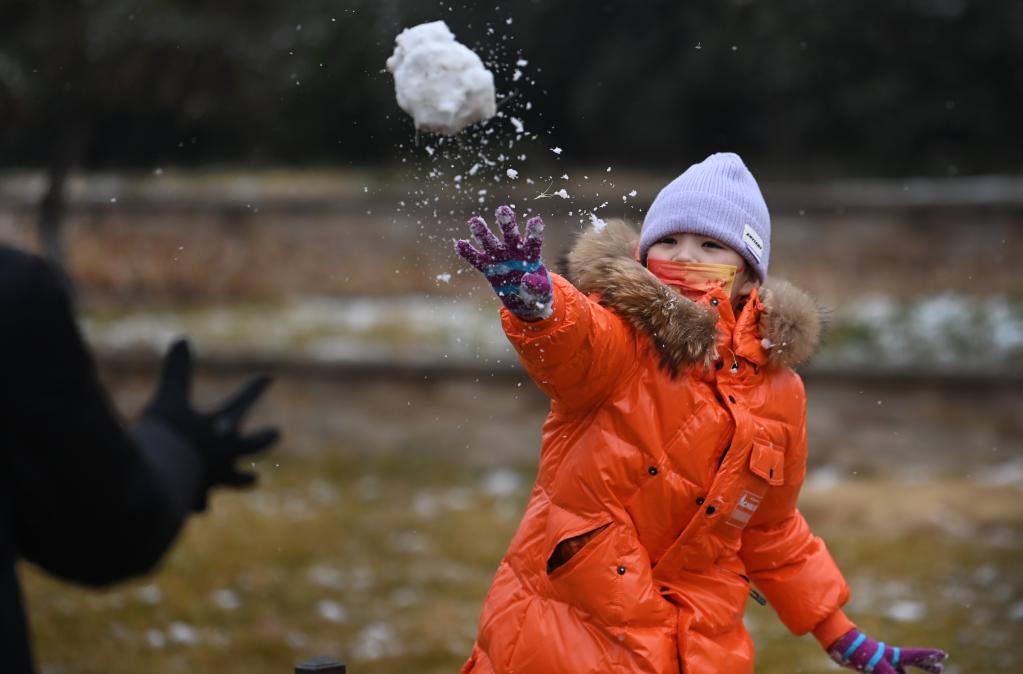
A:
(698, 248)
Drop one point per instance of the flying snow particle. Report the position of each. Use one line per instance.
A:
(444, 278)
(512, 173)
(561, 193)
(517, 123)
(440, 82)
(556, 150)
(632, 193)
(522, 63)
(596, 222)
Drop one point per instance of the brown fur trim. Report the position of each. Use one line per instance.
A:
(684, 332)
(791, 321)
(601, 262)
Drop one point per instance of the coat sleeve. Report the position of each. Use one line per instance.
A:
(89, 505)
(578, 353)
(785, 560)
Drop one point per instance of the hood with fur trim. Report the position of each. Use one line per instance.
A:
(684, 332)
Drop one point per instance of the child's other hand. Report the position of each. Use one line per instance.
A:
(513, 267)
(855, 650)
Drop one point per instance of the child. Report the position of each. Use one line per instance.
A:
(674, 451)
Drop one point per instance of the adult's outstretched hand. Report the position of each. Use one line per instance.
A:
(216, 436)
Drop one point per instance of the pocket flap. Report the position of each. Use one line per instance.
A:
(768, 462)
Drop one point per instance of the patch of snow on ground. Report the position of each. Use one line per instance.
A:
(331, 611)
(502, 482)
(183, 633)
(226, 599)
(376, 641)
(1007, 474)
(906, 611)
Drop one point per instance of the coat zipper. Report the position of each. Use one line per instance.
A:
(757, 597)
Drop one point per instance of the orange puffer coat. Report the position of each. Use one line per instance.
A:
(667, 483)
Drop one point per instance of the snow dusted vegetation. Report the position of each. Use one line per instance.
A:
(947, 331)
(402, 328)
(367, 557)
(944, 331)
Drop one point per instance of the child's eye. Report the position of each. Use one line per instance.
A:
(668, 240)
(713, 244)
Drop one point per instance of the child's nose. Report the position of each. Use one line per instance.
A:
(686, 251)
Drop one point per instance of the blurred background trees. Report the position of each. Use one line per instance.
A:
(926, 87)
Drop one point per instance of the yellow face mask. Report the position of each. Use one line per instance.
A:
(694, 279)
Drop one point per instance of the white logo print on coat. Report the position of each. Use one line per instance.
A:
(744, 509)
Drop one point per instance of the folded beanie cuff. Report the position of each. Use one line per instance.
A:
(718, 198)
(693, 212)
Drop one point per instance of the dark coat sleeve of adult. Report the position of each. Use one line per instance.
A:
(81, 497)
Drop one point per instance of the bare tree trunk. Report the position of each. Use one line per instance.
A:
(53, 207)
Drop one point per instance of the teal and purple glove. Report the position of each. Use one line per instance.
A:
(855, 650)
(513, 267)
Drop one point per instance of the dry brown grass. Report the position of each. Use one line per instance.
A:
(384, 562)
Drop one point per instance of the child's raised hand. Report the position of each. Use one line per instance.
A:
(513, 267)
(855, 650)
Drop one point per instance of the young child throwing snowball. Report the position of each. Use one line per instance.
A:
(674, 451)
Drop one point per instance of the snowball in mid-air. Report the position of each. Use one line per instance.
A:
(440, 82)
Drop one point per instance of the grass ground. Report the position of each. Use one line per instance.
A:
(384, 561)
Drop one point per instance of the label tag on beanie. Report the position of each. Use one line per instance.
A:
(754, 244)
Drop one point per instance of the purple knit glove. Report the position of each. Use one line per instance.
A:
(514, 267)
(856, 650)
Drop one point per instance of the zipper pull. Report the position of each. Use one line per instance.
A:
(757, 597)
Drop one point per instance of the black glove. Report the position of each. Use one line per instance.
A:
(215, 436)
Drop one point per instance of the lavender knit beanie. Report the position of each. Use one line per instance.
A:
(718, 198)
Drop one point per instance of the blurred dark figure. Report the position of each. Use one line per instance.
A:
(82, 496)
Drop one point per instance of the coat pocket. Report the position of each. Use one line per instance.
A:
(582, 565)
(768, 462)
(569, 548)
